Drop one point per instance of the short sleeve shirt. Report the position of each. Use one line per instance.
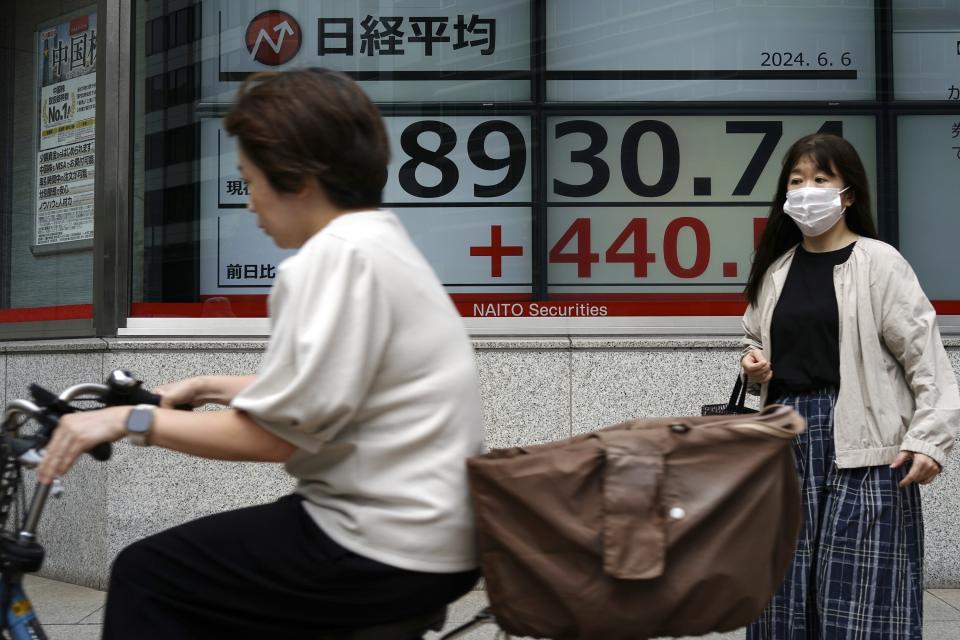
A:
(371, 374)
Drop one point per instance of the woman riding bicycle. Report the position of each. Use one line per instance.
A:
(367, 391)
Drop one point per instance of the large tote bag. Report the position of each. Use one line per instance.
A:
(656, 527)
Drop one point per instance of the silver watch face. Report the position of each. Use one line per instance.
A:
(139, 421)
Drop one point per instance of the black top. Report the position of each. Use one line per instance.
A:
(805, 328)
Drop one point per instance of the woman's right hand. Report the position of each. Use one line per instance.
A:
(202, 390)
(180, 393)
(756, 366)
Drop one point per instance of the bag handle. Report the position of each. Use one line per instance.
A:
(739, 396)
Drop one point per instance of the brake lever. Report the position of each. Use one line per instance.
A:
(49, 400)
(53, 409)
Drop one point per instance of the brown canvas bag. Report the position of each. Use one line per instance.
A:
(653, 527)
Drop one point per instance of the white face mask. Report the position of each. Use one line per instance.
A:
(814, 209)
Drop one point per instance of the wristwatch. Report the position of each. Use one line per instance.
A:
(139, 424)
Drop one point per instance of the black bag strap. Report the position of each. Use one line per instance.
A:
(739, 395)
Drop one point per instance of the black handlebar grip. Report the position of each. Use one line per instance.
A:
(101, 452)
(140, 395)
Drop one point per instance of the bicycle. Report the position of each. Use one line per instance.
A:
(21, 553)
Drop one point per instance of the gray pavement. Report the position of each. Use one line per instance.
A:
(69, 612)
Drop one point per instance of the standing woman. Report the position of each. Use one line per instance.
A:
(838, 328)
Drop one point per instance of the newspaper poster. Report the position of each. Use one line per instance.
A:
(67, 102)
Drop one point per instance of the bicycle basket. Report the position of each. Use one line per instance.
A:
(655, 527)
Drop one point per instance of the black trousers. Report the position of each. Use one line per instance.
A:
(260, 572)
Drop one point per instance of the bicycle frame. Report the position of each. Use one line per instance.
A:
(483, 617)
(22, 621)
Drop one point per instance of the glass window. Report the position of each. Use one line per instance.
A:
(522, 205)
(48, 93)
(462, 183)
(723, 50)
(659, 215)
(926, 50)
(928, 161)
(454, 182)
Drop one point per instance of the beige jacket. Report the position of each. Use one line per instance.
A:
(897, 389)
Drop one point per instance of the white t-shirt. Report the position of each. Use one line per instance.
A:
(371, 374)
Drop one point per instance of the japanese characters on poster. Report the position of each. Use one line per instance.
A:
(450, 51)
(478, 167)
(66, 73)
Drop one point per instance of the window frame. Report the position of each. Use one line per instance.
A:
(111, 249)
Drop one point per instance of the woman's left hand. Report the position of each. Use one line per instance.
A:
(923, 469)
(76, 434)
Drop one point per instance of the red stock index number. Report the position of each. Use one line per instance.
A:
(631, 246)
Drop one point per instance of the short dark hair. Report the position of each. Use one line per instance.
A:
(834, 156)
(313, 123)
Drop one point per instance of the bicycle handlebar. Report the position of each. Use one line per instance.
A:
(121, 388)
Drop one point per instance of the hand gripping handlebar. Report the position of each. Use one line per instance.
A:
(120, 388)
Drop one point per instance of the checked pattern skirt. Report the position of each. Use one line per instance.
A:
(858, 569)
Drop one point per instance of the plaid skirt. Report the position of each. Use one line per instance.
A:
(858, 569)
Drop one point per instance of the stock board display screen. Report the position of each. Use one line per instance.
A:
(926, 51)
(691, 50)
(928, 163)
(512, 204)
(460, 184)
(640, 206)
(460, 50)
(668, 204)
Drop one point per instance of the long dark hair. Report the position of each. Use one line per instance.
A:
(834, 156)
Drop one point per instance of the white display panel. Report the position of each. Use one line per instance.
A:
(928, 162)
(669, 50)
(926, 51)
(458, 50)
(475, 250)
(669, 204)
(444, 175)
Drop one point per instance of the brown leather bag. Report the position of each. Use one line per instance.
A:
(654, 527)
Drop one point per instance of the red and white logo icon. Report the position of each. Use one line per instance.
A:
(273, 37)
